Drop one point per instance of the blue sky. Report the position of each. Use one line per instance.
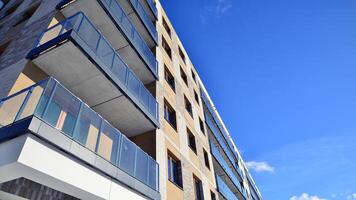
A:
(282, 74)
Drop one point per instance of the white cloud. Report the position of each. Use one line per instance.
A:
(306, 196)
(351, 196)
(259, 166)
(216, 9)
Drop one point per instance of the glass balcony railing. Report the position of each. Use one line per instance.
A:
(222, 144)
(153, 7)
(131, 32)
(225, 190)
(82, 27)
(49, 101)
(217, 121)
(146, 20)
(121, 19)
(225, 166)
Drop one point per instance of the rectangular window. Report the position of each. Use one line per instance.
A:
(194, 77)
(170, 115)
(196, 96)
(174, 170)
(191, 141)
(206, 159)
(198, 189)
(166, 26)
(202, 128)
(3, 47)
(26, 15)
(184, 76)
(166, 47)
(169, 78)
(181, 54)
(188, 106)
(212, 195)
(10, 10)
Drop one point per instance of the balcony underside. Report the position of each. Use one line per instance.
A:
(37, 152)
(149, 11)
(79, 74)
(141, 27)
(221, 172)
(93, 9)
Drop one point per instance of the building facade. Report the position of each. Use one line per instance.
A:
(99, 100)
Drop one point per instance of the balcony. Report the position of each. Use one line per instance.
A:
(140, 19)
(150, 7)
(220, 140)
(109, 17)
(67, 122)
(226, 170)
(224, 189)
(76, 53)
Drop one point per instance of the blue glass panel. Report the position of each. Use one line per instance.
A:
(127, 159)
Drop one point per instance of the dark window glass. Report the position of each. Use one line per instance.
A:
(212, 195)
(194, 77)
(184, 76)
(170, 115)
(27, 15)
(181, 54)
(191, 141)
(202, 128)
(11, 10)
(206, 159)
(188, 106)
(166, 26)
(198, 189)
(169, 78)
(196, 96)
(4, 47)
(166, 47)
(174, 171)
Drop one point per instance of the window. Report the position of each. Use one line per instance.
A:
(165, 25)
(169, 78)
(196, 96)
(3, 3)
(11, 9)
(206, 159)
(166, 47)
(170, 115)
(191, 141)
(27, 15)
(198, 189)
(188, 106)
(3, 47)
(194, 77)
(184, 76)
(202, 128)
(174, 171)
(181, 54)
(212, 195)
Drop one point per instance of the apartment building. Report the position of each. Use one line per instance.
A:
(99, 100)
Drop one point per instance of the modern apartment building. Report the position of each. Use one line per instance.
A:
(99, 100)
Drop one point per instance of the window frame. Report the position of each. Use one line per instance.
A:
(192, 146)
(168, 111)
(206, 159)
(166, 27)
(188, 106)
(168, 76)
(181, 55)
(166, 47)
(176, 177)
(184, 76)
(198, 188)
(202, 125)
